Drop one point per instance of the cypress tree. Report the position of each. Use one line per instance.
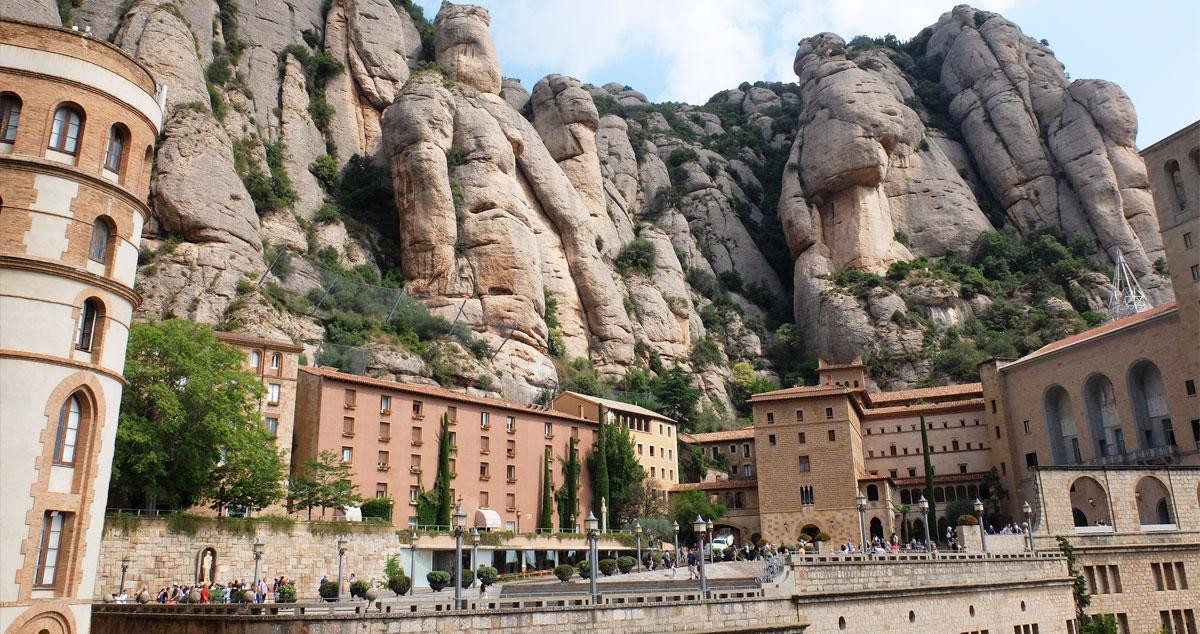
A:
(546, 515)
(568, 494)
(441, 486)
(931, 516)
(599, 471)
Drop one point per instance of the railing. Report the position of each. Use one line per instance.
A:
(142, 512)
(833, 558)
(1140, 455)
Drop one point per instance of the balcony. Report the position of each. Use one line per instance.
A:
(415, 470)
(417, 443)
(1157, 455)
(385, 412)
(347, 434)
(384, 438)
(483, 477)
(485, 452)
(350, 405)
(511, 480)
(511, 453)
(383, 466)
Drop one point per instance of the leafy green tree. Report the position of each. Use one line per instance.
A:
(323, 483)
(625, 473)
(598, 466)
(674, 389)
(931, 516)
(249, 475)
(546, 514)
(568, 494)
(434, 506)
(992, 491)
(188, 396)
(746, 383)
(687, 505)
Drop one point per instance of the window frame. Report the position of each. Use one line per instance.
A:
(63, 431)
(90, 313)
(8, 128)
(62, 130)
(98, 243)
(48, 533)
(114, 163)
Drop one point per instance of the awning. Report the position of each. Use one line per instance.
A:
(489, 519)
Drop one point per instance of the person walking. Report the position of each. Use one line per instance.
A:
(692, 565)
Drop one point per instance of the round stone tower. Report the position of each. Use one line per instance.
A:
(78, 121)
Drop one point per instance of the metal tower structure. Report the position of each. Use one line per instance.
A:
(1127, 297)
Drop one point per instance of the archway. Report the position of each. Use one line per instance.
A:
(1149, 400)
(1104, 424)
(1153, 502)
(206, 565)
(917, 529)
(811, 530)
(1060, 425)
(876, 528)
(1089, 503)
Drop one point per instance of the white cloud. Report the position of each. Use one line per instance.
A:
(696, 47)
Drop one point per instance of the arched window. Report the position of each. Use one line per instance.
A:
(118, 142)
(98, 248)
(1060, 424)
(276, 361)
(1153, 502)
(1103, 421)
(64, 133)
(1089, 503)
(1172, 168)
(1149, 396)
(88, 318)
(10, 117)
(68, 431)
(255, 358)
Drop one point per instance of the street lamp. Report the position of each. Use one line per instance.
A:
(712, 552)
(1027, 525)
(982, 532)
(124, 567)
(675, 555)
(257, 548)
(460, 523)
(698, 527)
(341, 544)
(637, 530)
(593, 531)
(474, 552)
(412, 563)
(862, 520)
(923, 504)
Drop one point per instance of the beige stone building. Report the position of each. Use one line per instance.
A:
(653, 435)
(387, 433)
(78, 121)
(736, 486)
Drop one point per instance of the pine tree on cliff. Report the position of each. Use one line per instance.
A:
(568, 494)
(931, 516)
(598, 463)
(546, 515)
(441, 486)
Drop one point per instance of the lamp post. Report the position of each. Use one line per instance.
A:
(124, 567)
(637, 530)
(699, 526)
(712, 552)
(341, 544)
(593, 531)
(474, 553)
(460, 522)
(862, 520)
(257, 548)
(412, 563)
(1027, 525)
(675, 555)
(982, 532)
(923, 504)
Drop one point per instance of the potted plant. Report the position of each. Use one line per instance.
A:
(584, 568)
(624, 564)
(399, 583)
(564, 572)
(468, 577)
(608, 566)
(328, 590)
(488, 575)
(287, 593)
(359, 589)
(438, 579)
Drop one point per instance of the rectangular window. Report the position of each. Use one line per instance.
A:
(52, 529)
(511, 449)
(453, 469)
(799, 416)
(733, 450)
(653, 472)
(273, 393)
(10, 118)
(805, 464)
(485, 444)
(351, 397)
(828, 412)
(272, 425)
(485, 471)
(414, 492)
(347, 426)
(770, 418)
(510, 473)
(832, 435)
(418, 409)
(510, 423)
(416, 437)
(385, 432)
(1187, 240)
(997, 432)
(414, 462)
(383, 459)
(912, 472)
(1025, 424)
(453, 437)
(771, 439)
(510, 502)
(485, 420)
(483, 499)
(660, 429)
(747, 471)
(745, 450)
(452, 413)
(385, 404)
(347, 454)
(962, 467)
(800, 438)
(1031, 459)
(548, 430)
(651, 451)
(639, 449)
(892, 474)
(1195, 272)
(806, 495)
(1190, 387)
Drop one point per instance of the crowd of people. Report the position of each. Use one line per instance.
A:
(210, 592)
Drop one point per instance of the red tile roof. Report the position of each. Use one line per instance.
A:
(718, 436)
(801, 390)
(924, 408)
(439, 392)
(252, 341)
(926, 393)
(974, 476)
(719, 485)
(1101, 330)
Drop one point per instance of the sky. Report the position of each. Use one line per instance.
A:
(687, 50)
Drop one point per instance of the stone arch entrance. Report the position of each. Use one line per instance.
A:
(876, 528)
(1153, 502)
(1089, 503)
(49, 622)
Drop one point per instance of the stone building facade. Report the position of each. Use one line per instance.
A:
(387, 432)
(654, 435)
(78, 127)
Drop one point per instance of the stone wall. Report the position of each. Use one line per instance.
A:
(1001, 544)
